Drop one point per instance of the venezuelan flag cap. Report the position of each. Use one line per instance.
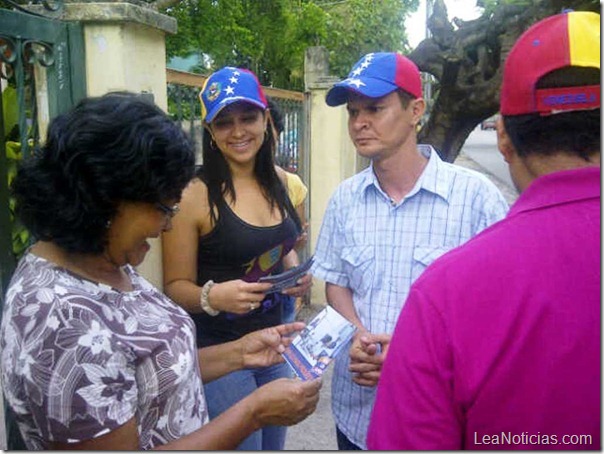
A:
(229, 85)
(563, 40)
(375, 75)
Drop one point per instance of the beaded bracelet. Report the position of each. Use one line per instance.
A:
(204, 299)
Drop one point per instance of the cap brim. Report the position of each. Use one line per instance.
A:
(370, 87)
(228, 101)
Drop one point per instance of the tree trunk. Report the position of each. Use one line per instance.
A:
(466, 58)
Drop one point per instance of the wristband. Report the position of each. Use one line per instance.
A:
(204, 299)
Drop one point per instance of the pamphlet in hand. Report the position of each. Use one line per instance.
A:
(317, 344)
(288, 278)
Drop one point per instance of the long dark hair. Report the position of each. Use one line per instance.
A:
(216, 174)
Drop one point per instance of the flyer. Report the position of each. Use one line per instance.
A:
(288, 278)
(318, 343)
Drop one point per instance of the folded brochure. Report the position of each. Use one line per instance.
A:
(318, 343)
(288, 278)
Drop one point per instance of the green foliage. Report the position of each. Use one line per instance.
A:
(20, 236)
(270, 36)
(357, 27)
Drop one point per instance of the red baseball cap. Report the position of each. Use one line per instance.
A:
(564, 40)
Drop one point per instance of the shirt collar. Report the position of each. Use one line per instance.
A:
(432, 179)
(559, 187)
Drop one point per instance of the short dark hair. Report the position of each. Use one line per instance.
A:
(405, 97)
(574, 133)
(106, 150)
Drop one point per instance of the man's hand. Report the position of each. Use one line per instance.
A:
(264, 347)
(285, 401)
(367, 354)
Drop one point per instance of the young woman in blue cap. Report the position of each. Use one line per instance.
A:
(236, 224)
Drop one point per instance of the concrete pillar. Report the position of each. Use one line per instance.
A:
(125, 50)
(332, 154)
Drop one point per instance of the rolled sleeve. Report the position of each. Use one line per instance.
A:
(328, 264)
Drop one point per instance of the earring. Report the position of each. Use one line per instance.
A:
(108, 224)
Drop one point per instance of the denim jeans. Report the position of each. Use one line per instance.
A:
(344, 444)
(224, 392)
(289, 309)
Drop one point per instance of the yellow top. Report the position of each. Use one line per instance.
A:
(296, 189)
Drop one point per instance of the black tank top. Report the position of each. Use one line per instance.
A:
(235, 249)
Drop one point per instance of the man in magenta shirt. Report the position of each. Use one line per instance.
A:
(498, 344)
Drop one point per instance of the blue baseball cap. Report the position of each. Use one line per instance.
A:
(229, 85)
(375, 75)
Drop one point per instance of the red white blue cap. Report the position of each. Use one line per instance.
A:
(571, 39)
(376, 75)
(229, 85)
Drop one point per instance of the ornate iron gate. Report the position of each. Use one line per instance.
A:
(42, 73)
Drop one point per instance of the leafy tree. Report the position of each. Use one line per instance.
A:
(466, 59)
(357, 27)
(271, 36)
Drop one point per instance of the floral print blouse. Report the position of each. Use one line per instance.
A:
(79, 358)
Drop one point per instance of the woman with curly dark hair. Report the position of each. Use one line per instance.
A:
(236, 225)
(93, 356)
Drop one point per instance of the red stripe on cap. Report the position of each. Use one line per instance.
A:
(541, 49)
(566, 99)
(407, 76)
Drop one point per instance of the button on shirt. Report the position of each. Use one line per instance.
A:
(378, 248)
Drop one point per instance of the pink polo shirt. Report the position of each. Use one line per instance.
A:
(498, 344)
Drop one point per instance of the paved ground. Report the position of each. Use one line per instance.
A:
(317, 432)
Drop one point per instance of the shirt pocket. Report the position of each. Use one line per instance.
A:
(359, 266)
(424, 255)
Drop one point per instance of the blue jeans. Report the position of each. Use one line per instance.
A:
(344, 444)
(289, 309)
(224, 392)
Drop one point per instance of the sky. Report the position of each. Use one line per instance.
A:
(416, 23)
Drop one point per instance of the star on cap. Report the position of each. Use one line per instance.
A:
(230, 90)
(233, 80)
(356, 82)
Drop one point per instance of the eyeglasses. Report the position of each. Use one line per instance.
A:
(168, 211)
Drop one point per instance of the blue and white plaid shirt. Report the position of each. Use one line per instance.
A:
(378, 248)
